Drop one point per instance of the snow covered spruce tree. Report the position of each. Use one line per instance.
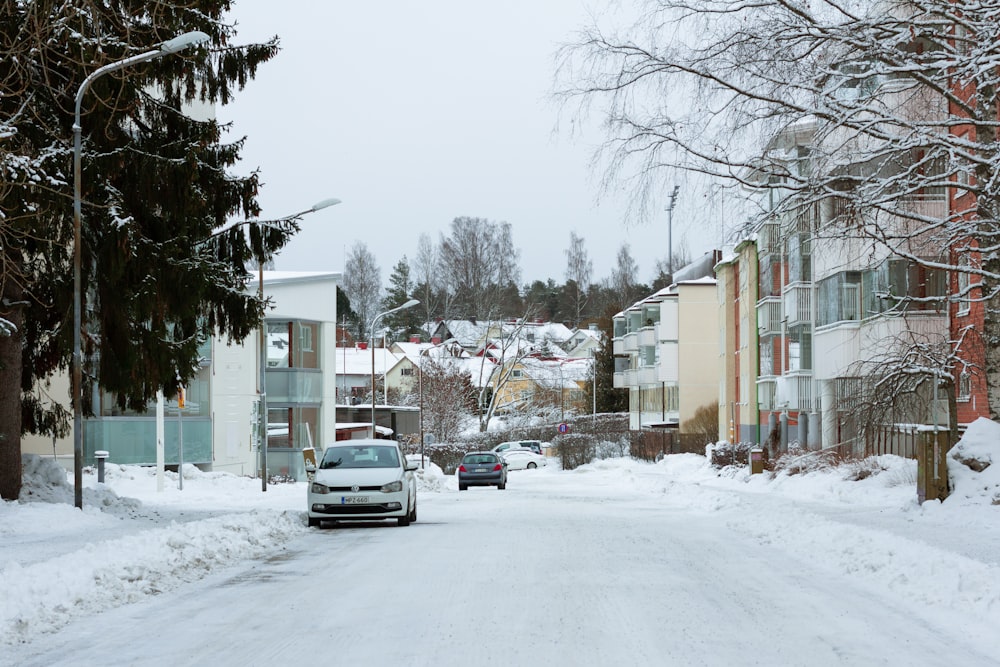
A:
(855, 115)
(161, 269)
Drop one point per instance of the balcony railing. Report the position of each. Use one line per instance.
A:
(630, 343)
(766, 388)
(618, 381)
(798, 303)
(618, 346)
(794, 392)
(646, 375)
(769, 316)
(647, 336)
(132, 440)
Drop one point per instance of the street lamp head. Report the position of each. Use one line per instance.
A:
(181, 42)
(410, 304)
(323, 204)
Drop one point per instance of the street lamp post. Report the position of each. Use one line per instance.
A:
(408, 304)
(670, 231)
(174, 45)
(262, 343)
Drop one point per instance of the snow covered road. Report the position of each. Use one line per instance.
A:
(616, 564)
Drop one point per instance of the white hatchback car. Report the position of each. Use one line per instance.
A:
(362, 480)
(523, 459)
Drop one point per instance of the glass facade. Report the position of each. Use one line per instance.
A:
(294, 393)
(896, 285)
(129, 436)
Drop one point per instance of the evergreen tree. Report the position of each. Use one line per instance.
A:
(543, 298)
(161, 270)
(609, 399)
(401, 287)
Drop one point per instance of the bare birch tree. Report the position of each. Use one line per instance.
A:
(479, 261)
(363, 285)
(623, 278)
(579, 270)
(847, 112)
(427, 277)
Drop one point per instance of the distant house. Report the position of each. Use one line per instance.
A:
(354, 372)
(554, 382)
(583, 342)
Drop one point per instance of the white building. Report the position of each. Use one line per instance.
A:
(218, 422)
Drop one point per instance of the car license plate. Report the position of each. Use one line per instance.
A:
(354, 500)
(481, 470)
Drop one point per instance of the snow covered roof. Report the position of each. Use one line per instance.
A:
(553, 373)
(355, 361)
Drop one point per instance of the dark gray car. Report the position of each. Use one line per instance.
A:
(482, 469)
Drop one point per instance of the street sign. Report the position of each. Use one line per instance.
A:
(564, 428)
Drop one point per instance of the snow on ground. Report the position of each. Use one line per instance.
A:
(130, 541)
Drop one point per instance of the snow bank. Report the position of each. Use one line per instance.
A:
(103, 574)
(971, 471)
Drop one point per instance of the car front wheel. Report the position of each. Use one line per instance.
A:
(313, 522)
(532, 465)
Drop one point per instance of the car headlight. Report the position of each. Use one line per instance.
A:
(319, 488)
(392, 487)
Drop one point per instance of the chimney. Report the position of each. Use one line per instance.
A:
(436, 340)
(415, 338)
(362, 346)
(593, 326)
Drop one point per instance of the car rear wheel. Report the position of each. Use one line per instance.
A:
(463, 487)
(531, 465)
(501, 486)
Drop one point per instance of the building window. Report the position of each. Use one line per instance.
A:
(406, 371)
(963, 285)
(964, 386)
(839, 298)
(516, 373)
(292, 344)
(306, 337)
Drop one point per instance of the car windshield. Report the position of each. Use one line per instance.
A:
(367, 456)
(479, 458)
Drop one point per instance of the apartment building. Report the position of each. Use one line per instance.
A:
(668, 349)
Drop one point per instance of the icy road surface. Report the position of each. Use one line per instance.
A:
(559, 569)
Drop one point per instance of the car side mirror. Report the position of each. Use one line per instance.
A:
(410, 466)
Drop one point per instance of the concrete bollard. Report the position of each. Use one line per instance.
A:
(100, 455)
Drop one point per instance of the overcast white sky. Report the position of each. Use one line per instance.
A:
(414, 113)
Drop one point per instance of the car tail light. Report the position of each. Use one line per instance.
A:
(461, 468)
(497, 468)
